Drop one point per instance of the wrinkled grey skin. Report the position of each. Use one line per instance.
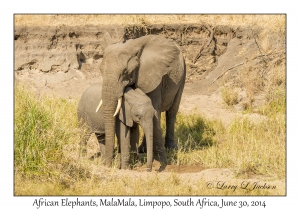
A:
(156, 66)
(136, 108)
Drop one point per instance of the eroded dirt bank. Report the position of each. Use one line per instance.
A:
(65, 60)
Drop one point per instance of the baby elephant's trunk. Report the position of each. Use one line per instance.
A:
(149, 139)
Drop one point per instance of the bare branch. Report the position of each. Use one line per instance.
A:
(226, 71)
(244, 63)
(205, 44)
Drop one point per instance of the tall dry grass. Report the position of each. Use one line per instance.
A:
(269, 22)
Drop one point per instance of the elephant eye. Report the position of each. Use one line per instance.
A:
(129, 71)
(138, 118)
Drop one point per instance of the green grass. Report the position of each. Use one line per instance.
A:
(46, 152)
(275, 103)
(251, 148)
(42, 127)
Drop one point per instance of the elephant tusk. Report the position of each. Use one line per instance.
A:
(118, 106)
(99, 106)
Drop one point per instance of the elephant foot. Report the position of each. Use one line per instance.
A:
(170, 144)
(162, 167)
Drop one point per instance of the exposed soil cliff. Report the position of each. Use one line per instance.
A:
(65, 60)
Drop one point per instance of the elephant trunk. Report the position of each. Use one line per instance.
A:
(148, 130)
(109, 107)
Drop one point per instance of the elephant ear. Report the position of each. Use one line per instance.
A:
(125, 114)
(160, 56)
(132, 64)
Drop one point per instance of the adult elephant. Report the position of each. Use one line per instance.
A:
(136, 109)
(156, 66)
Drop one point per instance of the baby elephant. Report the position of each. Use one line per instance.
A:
(136, 108)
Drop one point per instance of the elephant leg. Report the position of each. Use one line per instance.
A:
(171, 119)
(123, 135)
(134, 140)
(159, 151)
(170, 123)
(101, 141)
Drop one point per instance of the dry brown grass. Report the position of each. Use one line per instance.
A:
(156, 184)
(229, 96)
(267, 77)
(271, 22)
